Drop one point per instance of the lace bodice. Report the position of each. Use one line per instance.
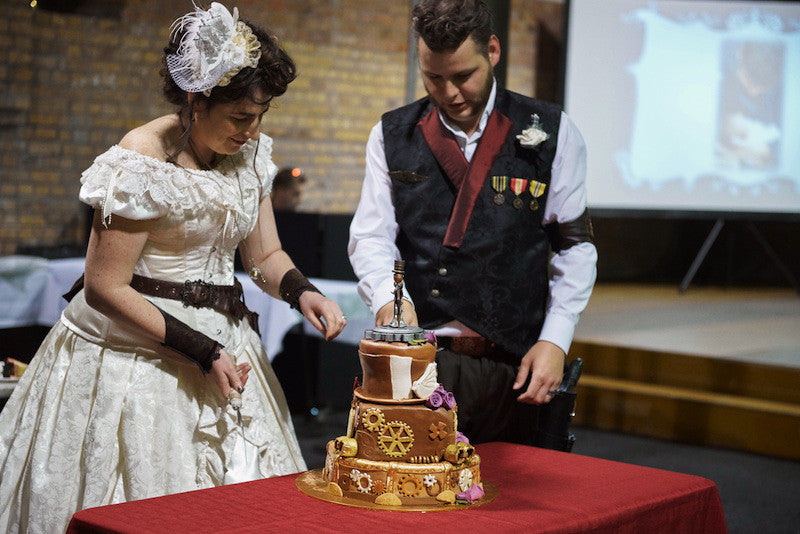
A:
(202, 214)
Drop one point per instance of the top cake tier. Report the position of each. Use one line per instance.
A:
(397, 370)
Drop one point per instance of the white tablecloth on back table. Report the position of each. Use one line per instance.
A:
(31, 289)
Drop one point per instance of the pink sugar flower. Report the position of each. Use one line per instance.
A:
(474, 493)
(435, 400)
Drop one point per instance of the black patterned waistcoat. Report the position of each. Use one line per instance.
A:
(495, 282)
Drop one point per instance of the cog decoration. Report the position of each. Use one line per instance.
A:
(373, 419)
(396, 439)
(378, 487)
(437, 431)
(362, 480)
(432, 484)
(409, 485)
(465, 479)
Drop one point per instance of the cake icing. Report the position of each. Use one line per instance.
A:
(402, 446)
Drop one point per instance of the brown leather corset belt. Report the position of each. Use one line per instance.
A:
(228, 300)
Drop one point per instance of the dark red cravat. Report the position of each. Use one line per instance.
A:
(467, 177)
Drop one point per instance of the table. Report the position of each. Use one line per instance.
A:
(540, 490)
(31, 289)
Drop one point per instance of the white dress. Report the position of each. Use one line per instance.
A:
(103, 415)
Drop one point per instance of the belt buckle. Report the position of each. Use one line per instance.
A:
(198, 293)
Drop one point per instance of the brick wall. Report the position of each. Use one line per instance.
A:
(71, 85)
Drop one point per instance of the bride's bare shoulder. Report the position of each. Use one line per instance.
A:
(153, 138)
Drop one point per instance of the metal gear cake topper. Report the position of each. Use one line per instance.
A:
(397, 330)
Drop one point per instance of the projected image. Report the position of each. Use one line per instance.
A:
(751, 102)
(687, 105)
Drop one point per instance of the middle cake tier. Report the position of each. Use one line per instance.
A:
(406, 430)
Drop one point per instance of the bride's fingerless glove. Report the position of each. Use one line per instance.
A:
(187, 341)
(294, 284)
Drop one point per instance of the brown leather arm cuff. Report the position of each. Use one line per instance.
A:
(294, 284)
(187, 341)
(564, 235)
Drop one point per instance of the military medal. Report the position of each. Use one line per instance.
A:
(518, 186)
(499, 184)
(537, 190)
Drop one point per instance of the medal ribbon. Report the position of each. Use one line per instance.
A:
(518, 185)
(537, 188)
(499, 183)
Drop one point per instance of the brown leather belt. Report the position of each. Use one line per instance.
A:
(476, 346)
(228, 300)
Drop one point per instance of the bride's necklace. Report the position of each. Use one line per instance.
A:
(254, 272)
(203, 164)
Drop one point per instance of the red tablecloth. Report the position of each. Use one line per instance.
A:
(539, 491)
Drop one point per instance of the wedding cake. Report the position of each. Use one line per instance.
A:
(402, 446)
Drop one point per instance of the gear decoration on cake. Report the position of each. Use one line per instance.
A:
(409, 485)
(396, 439)
(378, 487)
(432, 485)
(373, 419)
(437, 431)
(465, 479)
(362, 481)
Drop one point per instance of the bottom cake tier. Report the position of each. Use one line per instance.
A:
(399, 483)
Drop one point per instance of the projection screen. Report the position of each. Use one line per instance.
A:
(687, 106)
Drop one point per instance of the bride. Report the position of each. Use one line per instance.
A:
(128, 396)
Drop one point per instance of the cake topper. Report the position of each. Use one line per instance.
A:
(397, 329)
(399, 273)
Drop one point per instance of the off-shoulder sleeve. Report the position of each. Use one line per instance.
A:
(265, 167)
(126, 183)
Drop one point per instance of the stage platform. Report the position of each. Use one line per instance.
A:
(748, 325)
(709, 366)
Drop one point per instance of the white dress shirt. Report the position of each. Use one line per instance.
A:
(374, 229)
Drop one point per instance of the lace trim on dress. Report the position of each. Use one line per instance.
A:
(124, 182)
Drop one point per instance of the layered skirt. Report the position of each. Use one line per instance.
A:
(90, 425)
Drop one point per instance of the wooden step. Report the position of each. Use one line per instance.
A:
(691, 399)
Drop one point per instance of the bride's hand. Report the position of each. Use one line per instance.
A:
(227, 375)
(316, 307)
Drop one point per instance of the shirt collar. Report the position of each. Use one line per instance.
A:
(481, 124)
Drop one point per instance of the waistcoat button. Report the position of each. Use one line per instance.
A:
(434, 293)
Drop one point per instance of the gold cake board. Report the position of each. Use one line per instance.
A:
(312, 484)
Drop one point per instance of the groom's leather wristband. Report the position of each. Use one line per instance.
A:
(187, 341)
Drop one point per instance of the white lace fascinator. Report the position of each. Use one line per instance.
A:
(215, 46)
